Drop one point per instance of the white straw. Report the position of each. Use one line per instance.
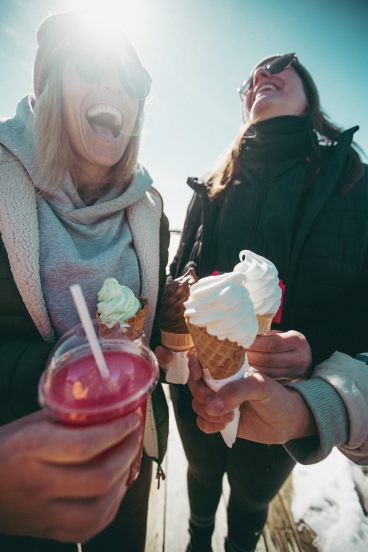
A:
(82, 309)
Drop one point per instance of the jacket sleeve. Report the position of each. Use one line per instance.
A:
(337, 395)
(23, 353)
(22, 362)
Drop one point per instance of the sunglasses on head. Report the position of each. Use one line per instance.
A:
(273, 67)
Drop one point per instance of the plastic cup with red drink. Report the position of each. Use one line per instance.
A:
(73, 391)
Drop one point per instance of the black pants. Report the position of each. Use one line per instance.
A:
(127, 533)
(256, 472)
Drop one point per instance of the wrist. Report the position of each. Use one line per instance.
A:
(302, 423)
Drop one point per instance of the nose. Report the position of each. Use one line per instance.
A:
(111, 80)
(259, 74)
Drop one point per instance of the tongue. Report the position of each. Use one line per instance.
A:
(104, 124)
(102, 130)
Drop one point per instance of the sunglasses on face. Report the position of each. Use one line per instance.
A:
(273, 67)
(135, 79)
(93, 66)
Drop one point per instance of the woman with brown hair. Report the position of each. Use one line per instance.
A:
(75, 207)
(294, 190)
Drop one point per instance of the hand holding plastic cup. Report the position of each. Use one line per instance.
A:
(73, 390)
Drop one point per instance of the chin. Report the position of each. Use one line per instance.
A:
(106, 157)
(263, 115)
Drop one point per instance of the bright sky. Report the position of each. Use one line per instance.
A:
(198, 52)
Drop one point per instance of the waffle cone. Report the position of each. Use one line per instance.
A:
(222, 358)
(264, 323)
(136, 322)
(176, 341)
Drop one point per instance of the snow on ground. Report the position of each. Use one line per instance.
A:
(325, 499)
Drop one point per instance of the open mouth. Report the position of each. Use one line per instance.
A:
(105, 120)
(265, 87)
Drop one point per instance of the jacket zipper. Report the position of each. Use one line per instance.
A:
(160, 474)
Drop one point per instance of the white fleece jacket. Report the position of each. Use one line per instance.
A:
(20, 234)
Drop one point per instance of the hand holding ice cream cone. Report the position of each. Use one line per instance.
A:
(221, 318)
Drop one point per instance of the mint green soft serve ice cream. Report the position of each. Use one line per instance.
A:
(117, 303)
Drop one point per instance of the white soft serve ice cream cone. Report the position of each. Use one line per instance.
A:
(221, 319)
(262, 282)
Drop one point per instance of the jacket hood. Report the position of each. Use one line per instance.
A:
(16, 136)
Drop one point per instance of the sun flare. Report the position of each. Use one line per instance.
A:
(107, 15)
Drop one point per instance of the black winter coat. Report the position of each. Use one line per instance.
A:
(317, 236)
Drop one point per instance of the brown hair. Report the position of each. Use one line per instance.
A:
(54, 154)
(323, 130)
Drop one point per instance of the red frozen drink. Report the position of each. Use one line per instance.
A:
(73, 391)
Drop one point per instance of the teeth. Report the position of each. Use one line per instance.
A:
(266, 87)
(105, 109)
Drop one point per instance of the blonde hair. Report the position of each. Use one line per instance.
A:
(54, 154)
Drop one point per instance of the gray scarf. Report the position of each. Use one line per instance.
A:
(78, 243)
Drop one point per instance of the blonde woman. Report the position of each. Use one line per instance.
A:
(75, 206)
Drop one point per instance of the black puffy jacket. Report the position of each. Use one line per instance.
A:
(317, 236)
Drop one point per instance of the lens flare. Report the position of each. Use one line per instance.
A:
(108, 15)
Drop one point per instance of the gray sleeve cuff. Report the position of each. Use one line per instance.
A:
(331, 419)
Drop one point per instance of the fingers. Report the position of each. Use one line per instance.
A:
(220, 419)
(164, 356)
(210, 423)
(199, 390)
(232, 395)
(209, 427)
(76, 482)
(280, 364)
(84, 518)
(96, 478)
(277, 342)
(195, 368)
(281, 355)
(56, 443)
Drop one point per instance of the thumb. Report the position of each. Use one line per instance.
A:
(236, 393)
(164, 355)
(195, 368)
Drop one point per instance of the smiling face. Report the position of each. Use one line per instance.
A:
(274, 95)
(99, 117)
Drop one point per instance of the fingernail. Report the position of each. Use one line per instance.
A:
(214, 404)
(133, 421)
